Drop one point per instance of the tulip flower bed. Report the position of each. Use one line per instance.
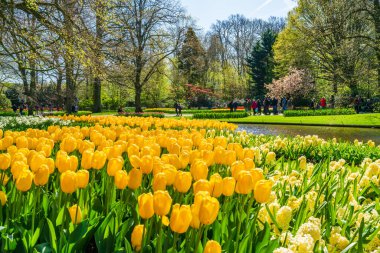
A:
(129, 184)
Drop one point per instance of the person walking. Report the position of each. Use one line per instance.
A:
(176, 108)
(230, 105)
(259, 104)
(254, 106)
(284, 104)
(323, 102)
(235, 105)
(179, 106)
(274, 105)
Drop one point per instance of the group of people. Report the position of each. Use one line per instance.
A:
(258, 106)
(178, 109)
(23, 108)
(322, 103)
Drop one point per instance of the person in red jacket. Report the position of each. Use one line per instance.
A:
(323, 103)
(254, 106)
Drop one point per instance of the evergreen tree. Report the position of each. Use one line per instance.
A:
(261, 63)
(192, 59)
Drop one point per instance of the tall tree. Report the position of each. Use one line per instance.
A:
(146, 33)
(261, 63)
(192, 59)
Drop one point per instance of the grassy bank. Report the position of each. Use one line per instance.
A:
(372, 119)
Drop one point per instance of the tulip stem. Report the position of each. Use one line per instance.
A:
(239, 223)
(34, 208)
(199, 237)
(159, 247)
(175, 241)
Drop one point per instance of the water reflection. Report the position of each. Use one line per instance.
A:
(341, 133)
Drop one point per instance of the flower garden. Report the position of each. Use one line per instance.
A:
(132, 184)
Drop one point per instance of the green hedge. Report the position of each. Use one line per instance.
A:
(144, 115)
(220, 115)
(189, 111)
(62, 113)
(319, 112)
(7, 114)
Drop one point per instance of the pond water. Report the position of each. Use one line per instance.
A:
(325, 132)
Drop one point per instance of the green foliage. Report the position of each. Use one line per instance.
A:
(7, 114)
(376, 107)
(86, 104)
(320, 112)
(62, 113)
(220, 115)
(5, 103)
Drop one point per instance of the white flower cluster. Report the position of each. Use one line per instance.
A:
(30, 122)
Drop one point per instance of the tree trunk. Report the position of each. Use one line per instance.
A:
(59, 89)
(97, 92)
(376, 16)
(97, 95)
(69, 57)
(138, 90)
(32, 90)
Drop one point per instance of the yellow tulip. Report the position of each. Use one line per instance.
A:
(41, 176)
(51, 165)
(135, 161)
(302, 162)
(170, 172)
(248, 163)
(114, 164)
(184, 159)
(121, 179)
(83, 177)
(212, 247)
(208, 210)
(5, 161)
(98, 160)
(73, 161)
(161, 203)
(146, 164)
(236, 167)
(145, 202)
(22, 142)
(202, 185)
(18, 156)
(199, 170)
(180, 218)
(17, 167)
(159, 182)
(229, 157)
(133, 150)
(3, 198)
(228, 186)
(135, 178)
(68, 181)
(24, 180)
(68, 144)
(136, 237)
(216, 182)
(257, 175)
(270, 157)
(262, 191)
(86, 161)
(182, 181)
(37, 160)
(244, 182)
(7, 142)
(75, 214)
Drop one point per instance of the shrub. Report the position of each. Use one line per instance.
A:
(320, 112)
(145, 115)
(220, 115)
(7, 114)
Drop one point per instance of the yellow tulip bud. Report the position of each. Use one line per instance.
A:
(24, 180)
(271, 157)
(86, 161)
(208, 210)
(199, 170)
(99, 159)
(262, 191)
(212, 247)
(121, 179)
(159, 182)
(68, 144)
(51, 165)
(182, 181)
(146, 164)
(228, 186)
(170, 172)
(202, 185)
(249, 163)
(17, 167)
(145, 201)
(180, 218)
(161, 203)
(37, 160)
(303, 163)
(83, 177)
(135, 178)
(5, 161)
(114, 164)
(244, 182)
(3, 198)
(22, 142)
(135, 161)
(136, 237)
(41, 176)
(68, 181)
(236, 167)
(216, 182)
(229, 157)
(75, 214)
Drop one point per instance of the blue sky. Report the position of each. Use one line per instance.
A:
(206, 12)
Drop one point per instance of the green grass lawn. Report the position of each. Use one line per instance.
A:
(104, 113)
(372, 119)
